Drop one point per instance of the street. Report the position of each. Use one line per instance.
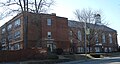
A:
(106, 60)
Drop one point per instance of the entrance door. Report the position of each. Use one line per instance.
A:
(50, 47)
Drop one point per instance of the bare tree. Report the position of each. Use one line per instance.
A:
(88, 26)
(11, 7)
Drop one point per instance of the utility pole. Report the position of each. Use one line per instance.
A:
(25, 23)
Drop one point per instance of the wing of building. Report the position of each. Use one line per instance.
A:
(43, 31)
(99, 38)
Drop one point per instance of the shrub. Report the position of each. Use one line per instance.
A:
(59, 51)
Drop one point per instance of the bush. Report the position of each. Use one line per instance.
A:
(59, 51)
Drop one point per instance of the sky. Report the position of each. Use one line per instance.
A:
(110, 10)
(65, 8)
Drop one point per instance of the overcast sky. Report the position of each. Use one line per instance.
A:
(110, 10)
(65, 8)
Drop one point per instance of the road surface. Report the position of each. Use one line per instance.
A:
(106, 60)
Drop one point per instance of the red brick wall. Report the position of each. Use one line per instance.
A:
(59, 30)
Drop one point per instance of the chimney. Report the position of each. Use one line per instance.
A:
(53, 14)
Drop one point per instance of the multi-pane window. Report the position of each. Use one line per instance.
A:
(49, 34)
(10, 37)
(80, 49)
(9, 27)
(79, 35)
(71, 38)
(17, 46)
(4, 48)
(17, 34)
(17, 23)
(97, 49)
(103, 38)
(110, 38)
(49, 22)
(3, 30)
(3, 41)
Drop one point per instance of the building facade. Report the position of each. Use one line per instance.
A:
(52, 32)
(99, 38)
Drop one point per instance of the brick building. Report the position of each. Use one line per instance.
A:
(99, 38)
(51, 31)
(54, 32)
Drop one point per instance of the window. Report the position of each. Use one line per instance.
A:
(4, 48)
(80, 49)
(97, 49)
(17, 46)
(79, 35)
(96, 37)
(9, 27)
(17, 23)
(103, 38)
(49, 22)
(11, 47)
(110, 38)
(10, 37)
(105, 49)
(70, 33)
(3, 30)
(3, 41)
(110, 50)
(49, 34)
(17, 34)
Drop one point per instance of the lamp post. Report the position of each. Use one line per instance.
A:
(85, 38)
(88, 33)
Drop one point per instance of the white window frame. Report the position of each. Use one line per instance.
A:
(49, 35)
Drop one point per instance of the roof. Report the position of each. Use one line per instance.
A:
(77, 24)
